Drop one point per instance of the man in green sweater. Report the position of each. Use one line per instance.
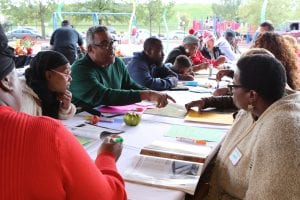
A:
(100, 78)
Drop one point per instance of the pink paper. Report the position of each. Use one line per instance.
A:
(125, 109)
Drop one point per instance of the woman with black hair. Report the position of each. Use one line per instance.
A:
(259, 157)
(41, 159)
(45, 91)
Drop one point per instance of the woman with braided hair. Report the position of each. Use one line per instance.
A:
(45, 90)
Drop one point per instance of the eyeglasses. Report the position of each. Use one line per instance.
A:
(65, 75)
(106, 44)
(232, 86)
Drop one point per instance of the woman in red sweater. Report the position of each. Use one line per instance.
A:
(40, 159)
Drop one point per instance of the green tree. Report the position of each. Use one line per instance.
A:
(151, 12)
(99, 6)
(184, 20)
(26, 12)
(226, 9)
(277, 12)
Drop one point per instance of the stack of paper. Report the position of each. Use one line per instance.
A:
(166, 173)
(171, 110)
(210, 117)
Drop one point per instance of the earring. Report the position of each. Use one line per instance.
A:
(250, 107)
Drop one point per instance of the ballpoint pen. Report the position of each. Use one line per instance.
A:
(192, 141)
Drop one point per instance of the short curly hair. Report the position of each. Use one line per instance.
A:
(276, 44)
(264, 74)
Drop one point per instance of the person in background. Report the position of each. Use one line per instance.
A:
(183, 68)
(227, 46)
(211, 51)
(276, 44)
(224, 101)
(198, 58)
(147, 69)
(65, 40)
(45, 87)
(100, 78)
(189, 48)
(259, 158)
(268, 42)
(293, 43)
(40, 159)
(266, 26)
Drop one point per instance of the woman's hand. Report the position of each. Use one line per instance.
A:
(108, 145)
(199, 103)
(220, 60)
(221, 92)
(65, 100)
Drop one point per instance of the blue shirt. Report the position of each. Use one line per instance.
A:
(149, 74)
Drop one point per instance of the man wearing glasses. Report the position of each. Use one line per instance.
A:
(100, 78)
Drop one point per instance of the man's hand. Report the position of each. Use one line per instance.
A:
(112, 147)
(160, 98)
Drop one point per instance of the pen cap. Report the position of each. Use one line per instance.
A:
(200, 142)
(119, 140)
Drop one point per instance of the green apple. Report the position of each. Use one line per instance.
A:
(132, 119)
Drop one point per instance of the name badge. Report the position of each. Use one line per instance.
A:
(235, 156)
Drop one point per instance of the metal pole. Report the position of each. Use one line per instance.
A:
(263, 11)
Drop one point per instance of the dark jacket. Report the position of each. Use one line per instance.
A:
(65, 40)
(149, 74)
(174, 53)
(216, 50)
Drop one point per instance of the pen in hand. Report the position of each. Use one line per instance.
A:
(112, 144)
(117, 139)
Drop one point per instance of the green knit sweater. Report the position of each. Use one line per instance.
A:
(94, 85)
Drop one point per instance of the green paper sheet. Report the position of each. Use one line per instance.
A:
(196, 133)
(83, 141)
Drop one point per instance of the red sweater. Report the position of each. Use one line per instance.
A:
(40, 159)
(198, 58)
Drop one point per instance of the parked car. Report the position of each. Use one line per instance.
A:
(292, 28)
(20, 33)
(177, 35)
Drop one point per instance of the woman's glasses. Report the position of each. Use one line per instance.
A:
(67, 76)
(231, 87)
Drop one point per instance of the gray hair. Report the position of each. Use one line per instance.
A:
(91, 33)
